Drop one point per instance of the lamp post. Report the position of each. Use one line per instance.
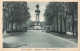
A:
(37, 11)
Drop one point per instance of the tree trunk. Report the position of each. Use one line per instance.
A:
(21, 27)
(76, 29)
(54, 28)
(16, 26)
(73, 22)
(12, 23)
(76, 33)
(57, 23)
(61, 25)
(65, 25)
(6, 26)
(69, 26)
(12, 26)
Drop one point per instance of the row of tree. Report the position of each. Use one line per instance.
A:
(62, 17)
(15, 15)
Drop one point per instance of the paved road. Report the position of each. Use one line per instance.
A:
(37, 39)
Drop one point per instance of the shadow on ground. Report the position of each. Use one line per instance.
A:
(16, 34)
(16, 45)
(69, 37)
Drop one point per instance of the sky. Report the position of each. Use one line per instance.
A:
(32, 8)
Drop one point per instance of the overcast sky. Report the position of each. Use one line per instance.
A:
(32, 8)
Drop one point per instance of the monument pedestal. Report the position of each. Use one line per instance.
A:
(37, 26)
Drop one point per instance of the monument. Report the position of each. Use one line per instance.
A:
(37, 22)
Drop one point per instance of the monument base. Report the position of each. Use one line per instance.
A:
(37, 27)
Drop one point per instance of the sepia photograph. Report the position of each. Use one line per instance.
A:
(40, 24)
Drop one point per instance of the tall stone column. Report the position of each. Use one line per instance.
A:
(37, 11)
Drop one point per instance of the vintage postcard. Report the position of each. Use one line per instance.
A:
(37, 25)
